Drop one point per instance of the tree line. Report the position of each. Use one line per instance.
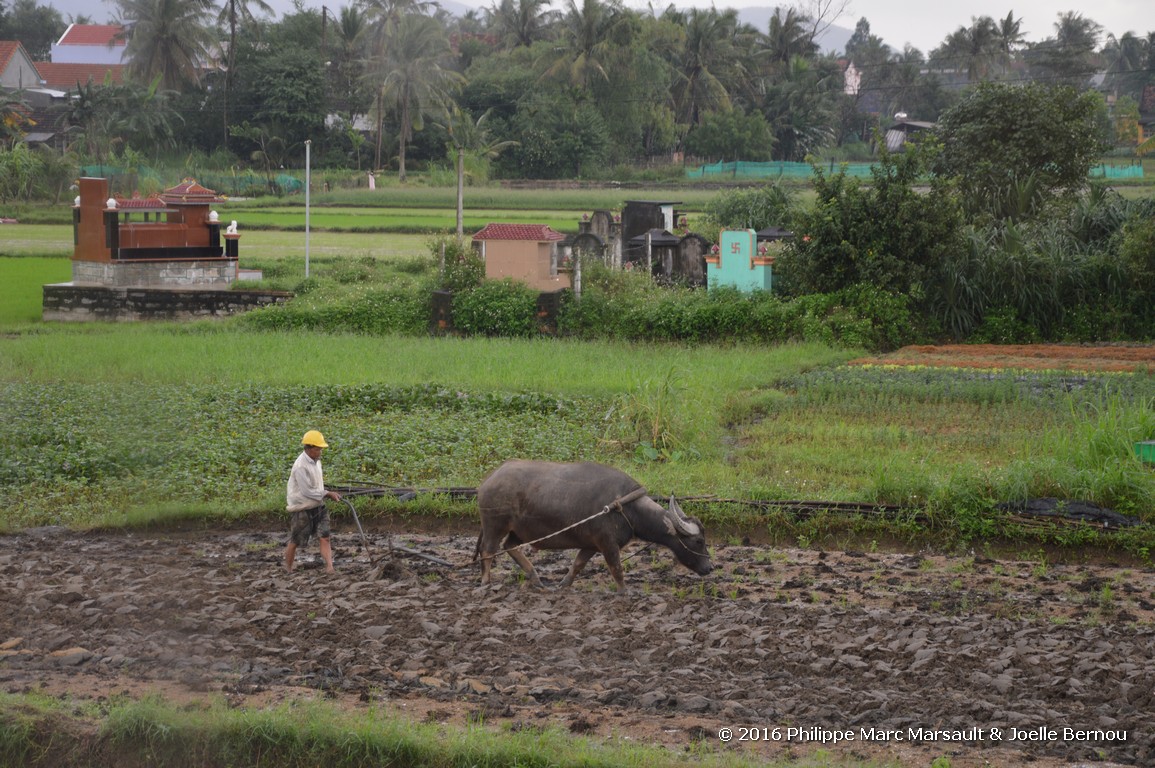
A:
(573, 91)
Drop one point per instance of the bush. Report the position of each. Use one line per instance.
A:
(496, 308)
(380, 312)
(765, 206)
(1003, 326)
(464, 268)
(859, 316)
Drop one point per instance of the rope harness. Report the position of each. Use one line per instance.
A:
(615, 505)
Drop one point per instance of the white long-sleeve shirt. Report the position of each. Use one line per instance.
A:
(306, 488)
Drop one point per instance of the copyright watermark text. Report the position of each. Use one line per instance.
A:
(797, 735)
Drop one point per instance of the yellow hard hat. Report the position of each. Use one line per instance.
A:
(313, 437)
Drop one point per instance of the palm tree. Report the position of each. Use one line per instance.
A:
(234, 12)
(586, 42)
(904, 80)
(414, 77)
(522, 22)
(470, 137)
(800, 108)
(1125, 59)
(1010, 34)
(1069, 56)
(169, 38)
(385, 15)
(791, 34)
(347, 63)
(709, 64)
(974, 49)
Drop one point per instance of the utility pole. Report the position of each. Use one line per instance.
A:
(308, 184)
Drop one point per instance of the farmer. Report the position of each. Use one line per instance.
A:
(305, 500)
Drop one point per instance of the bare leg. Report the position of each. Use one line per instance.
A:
(579, 562)
(290, 555)
(327, 555)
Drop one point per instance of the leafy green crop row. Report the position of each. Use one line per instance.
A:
(950, 445)
(90, 451)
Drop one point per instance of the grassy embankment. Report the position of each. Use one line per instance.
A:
(38, 731)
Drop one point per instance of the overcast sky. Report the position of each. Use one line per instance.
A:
(921, 23)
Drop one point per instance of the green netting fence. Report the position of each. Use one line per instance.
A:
(1103, 171)
(243, 184)
(747, 170)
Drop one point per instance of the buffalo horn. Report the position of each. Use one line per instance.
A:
(681, 521)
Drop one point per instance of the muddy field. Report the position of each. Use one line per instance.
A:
(1028, 663)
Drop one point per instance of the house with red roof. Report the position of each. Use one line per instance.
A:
(85, 52)
(17, 70)
(90, 44)
(66, 76)
(527, 253)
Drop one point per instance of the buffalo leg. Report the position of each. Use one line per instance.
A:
(487, 548)
(613, 558)
(520, 558)
(486, 565)
(579, 562)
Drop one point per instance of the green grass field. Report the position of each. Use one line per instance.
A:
(393, 219)
(726, 421)
(55, 240)
(20, 279)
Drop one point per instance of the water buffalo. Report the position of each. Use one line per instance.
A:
(537, 502)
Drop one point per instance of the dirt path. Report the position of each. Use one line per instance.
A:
(818, 642)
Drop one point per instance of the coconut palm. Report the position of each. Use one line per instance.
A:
(169, 38)
(413, 77)
(1126, 59)
(1069, 56)
(586, 42)
(975, 49)
(385, 15)
(234, 13)
(522, 22)
(709, 64)
(1010, 34)
(790, 35)
(800, 108)
(347, 61)
(470, 137)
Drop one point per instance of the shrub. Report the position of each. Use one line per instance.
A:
(859, 316)
(394, 310)
(757, 208)
(464, 268)
(496, 308)
(1003, 326)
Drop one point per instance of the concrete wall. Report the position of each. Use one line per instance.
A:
(81, 303)
(155, 274)
(525, 261)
